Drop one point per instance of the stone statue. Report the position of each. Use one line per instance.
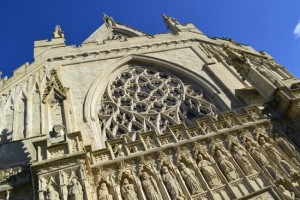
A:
(170, 21)
(118, 150)
(226, 166)
(208, 171)
(150, 187)
(285, 193)
(58, 33)
(75, 190)
(256, 154)
(127, 191)
(241, 158)
(51, 193)
(190, 179)
(275, 156)
(109, 21)
(149, 142)
(289, 149)
(171, 184)
(103, 193)
(261, 159)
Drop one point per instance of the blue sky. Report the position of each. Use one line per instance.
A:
(265, 25)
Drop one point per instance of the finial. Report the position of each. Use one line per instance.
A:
(109, 21)
(170, 21)
(58, 33)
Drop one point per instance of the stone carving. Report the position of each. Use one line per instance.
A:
(171, 184)
(118, 150)
(58, 33)
(59, 130)
(54, 82)
(208, 171)
(276, 157)
(170, 21)
(127, 191)
(116, 36)
(289, 149)
(179, 135)
(142, 99)
(150, 187)
(104, 193)
(261, 160)
(75, 190)
(242, 159)
(239, 62)
(190, 179)
(226, 166)
(109, 21)
(285, 193)
(149, 142)
(51, 193)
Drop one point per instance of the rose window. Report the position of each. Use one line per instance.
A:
(141, 99)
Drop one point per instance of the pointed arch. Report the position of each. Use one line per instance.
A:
(100, 82)
(98, 87)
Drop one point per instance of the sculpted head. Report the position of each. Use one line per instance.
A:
(103, 186)
(281, 188)
(200, 156)
(125, 181)
(165, 169)
(145, 175)
(261, 140)
(235, 148)
(182, 166)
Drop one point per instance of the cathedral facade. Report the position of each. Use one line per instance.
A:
(132, 116)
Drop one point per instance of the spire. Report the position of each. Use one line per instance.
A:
(109, 21)
(58, 33)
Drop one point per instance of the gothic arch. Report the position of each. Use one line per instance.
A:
(100, 84)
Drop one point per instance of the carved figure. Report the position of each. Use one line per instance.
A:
(103, 193)
(109, 21)
(150, 187)
(179, 135)
(58, 33)
(289, 149)
(127, 191)
(118, 150)
(171, 184)
(75, 190)
(241, 158)
(170, 21)
(190, 179)
(275, 156)
(51, 193)
(261, 159)
(208, 171)
(149, 142)
(226, 166)
(285, 193)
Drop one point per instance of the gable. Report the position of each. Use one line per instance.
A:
(112, 30)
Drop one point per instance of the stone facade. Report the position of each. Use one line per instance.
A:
(127, 115)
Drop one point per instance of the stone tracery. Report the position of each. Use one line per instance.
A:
(142, 99)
